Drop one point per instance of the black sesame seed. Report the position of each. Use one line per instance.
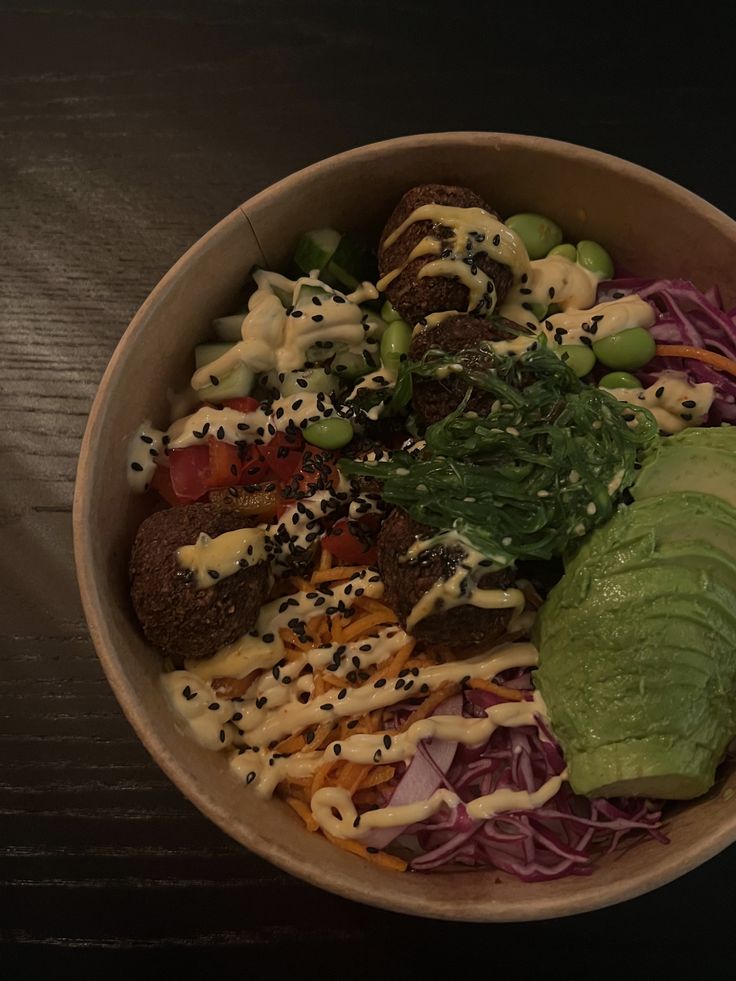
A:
(213, 706)
(327, 707)
(660, 392)
(689, 404)
(424, 689)
(309, 737)
(377, 756)
(304, 697)
(213, 573)
(343, 692)
(387, 741)
(364, 648)
(302, 382)
(237, 717)
(356, 822)
(222, 735)
(380, 683)
(686, 416)
(353, 723)
(214, 379)
(268, 638)
(221, 432)
(260, 702)
(137, 467)
(251, 777)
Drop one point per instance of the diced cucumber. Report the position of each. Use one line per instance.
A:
(317, 380)
(280, 285)
(236, 384)
(350, 364)
(315, 249)
(229, 328)
(207, 353)
(352, 263)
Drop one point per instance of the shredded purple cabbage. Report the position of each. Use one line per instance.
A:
(562, 838)
(685, 315)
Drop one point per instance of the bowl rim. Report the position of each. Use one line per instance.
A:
(590, 896)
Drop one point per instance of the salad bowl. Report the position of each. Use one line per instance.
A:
(647, 222)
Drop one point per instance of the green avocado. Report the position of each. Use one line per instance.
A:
(702, 460)
(637, 642)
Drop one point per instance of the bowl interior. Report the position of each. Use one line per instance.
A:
(650, 226)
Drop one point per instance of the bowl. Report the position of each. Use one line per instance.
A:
(648, 223)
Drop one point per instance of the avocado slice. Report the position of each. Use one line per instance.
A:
(638, 640)
(702, 460)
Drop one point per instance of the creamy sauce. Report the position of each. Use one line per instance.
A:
(674, 402)
(212, 559)
(275, 338)
(462, 587)
(144, 449)
(327, 800)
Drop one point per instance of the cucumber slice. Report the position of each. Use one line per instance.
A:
(306, 292)
(229, 328)
(236, 384)
(280, 285)
(315, 249)
(207, 353)
(317, 380)
(352, 263)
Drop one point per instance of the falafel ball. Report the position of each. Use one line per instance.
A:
(435, 398)
(176, 616)
(406, 582)
(416, 298)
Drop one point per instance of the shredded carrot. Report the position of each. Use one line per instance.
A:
(358, 627)
(374, 606)
(304, 812)
(429, 704)
(320, 777)
(233, 687)
(397, 662)
(508, 693)
(325, 560)
(696, 354)
(303, 584)
(352, 775)
(377, 776)
(383, 859)
(338, 572)
(338, 623)
(292, 744)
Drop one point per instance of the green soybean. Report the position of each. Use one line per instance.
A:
(595, 259)
(627, 351)
(388, 313)
(539, 310)
(578, 357)
(619, 379)
(539, 234)
(329, 434)
(567, 250)
(395, 344)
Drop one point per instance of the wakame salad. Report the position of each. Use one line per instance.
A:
(442, 545)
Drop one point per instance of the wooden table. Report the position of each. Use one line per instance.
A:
(128, 129)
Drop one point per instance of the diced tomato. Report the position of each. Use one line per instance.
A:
(161, 483)
(245, 404)
(253, 469)
(283, 454)
(345, 541)
(190, 472)
(225, 464)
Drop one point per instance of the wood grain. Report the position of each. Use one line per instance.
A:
(127, 129)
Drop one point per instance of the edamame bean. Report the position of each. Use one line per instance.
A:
(619, 379)
(539, 234)
(595, 259)
(395, 343)
(578, 357)
(628, 350)
(566, 250)
(388, 313)
(329, 434)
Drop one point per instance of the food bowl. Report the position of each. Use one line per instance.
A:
(649, 224)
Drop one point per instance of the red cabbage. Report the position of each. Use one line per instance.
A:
(685, 315)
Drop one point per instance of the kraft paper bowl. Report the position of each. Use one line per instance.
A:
(648, 223)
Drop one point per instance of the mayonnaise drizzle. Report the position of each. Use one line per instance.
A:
(330, 799)
(211, 559)
(674, 402)
(462, 586)
(277, 339)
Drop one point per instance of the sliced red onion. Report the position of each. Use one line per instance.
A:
(423, 776)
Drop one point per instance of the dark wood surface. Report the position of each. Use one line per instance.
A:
(126, 130)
